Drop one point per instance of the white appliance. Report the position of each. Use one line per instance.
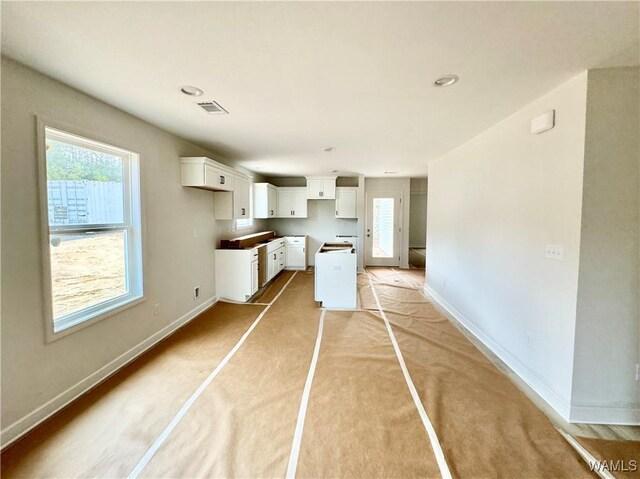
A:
(335, 274)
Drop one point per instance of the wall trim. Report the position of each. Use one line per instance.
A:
(550, 396)
(603, 414)
(22, 426)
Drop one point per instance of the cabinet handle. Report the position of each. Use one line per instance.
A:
(293, 213)
(336, 212)
(274, 256)
(243, 211)
(222, 180)
(271, 212)
(321, 193)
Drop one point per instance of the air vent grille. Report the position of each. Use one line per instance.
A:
(212, 107)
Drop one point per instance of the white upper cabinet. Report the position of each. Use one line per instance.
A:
(292, 202)
(346, 202)
(241, 198)
(321, 188)
(265, 200)
(234, 205)
(201, 172)
(232, 188)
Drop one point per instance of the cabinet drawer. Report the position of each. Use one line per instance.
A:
(274, 245)
(291, 240)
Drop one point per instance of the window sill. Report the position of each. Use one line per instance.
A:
(126, 303)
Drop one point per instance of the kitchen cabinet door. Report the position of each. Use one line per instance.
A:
(299, 203)
(254, 277)
(265, 198)
(346, 203)
(296, 256)
(272, 202)
(241, 197)
(284, 203)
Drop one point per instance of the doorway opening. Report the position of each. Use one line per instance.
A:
(418, 223)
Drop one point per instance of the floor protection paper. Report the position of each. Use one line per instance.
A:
(105, 432)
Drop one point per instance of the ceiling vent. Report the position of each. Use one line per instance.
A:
(212, 107)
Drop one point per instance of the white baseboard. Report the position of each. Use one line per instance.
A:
(604, 414)
(550, 396)
(23, 425)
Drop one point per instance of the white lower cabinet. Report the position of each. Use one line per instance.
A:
(255, 276)
(275, 258)
(296, 256)
(236, 273)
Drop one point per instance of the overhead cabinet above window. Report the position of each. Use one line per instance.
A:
(321, 188)
(201, 172)
(231, 187)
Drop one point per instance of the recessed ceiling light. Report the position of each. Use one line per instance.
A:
(191, 90)
(446, 80)
(390, 172)
(328, 149)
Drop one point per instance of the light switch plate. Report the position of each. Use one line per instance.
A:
(555, 251)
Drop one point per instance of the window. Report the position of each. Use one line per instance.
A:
(94, 239)
(247, 223)
(383, 228)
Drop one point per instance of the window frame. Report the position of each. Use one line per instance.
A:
(132, 225)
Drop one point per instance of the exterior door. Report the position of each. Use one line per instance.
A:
(382, 235)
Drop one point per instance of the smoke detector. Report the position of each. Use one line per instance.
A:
(191, 90)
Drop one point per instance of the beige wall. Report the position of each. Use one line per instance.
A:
(39, 377)
(608, 314)
(494, 203)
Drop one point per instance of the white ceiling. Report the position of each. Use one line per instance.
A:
(297, 77)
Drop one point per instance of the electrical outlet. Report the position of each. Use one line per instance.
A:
(554, 251)
(156, 309)
(196, 292)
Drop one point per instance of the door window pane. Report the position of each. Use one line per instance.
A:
(383, 228)
(86, 269)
